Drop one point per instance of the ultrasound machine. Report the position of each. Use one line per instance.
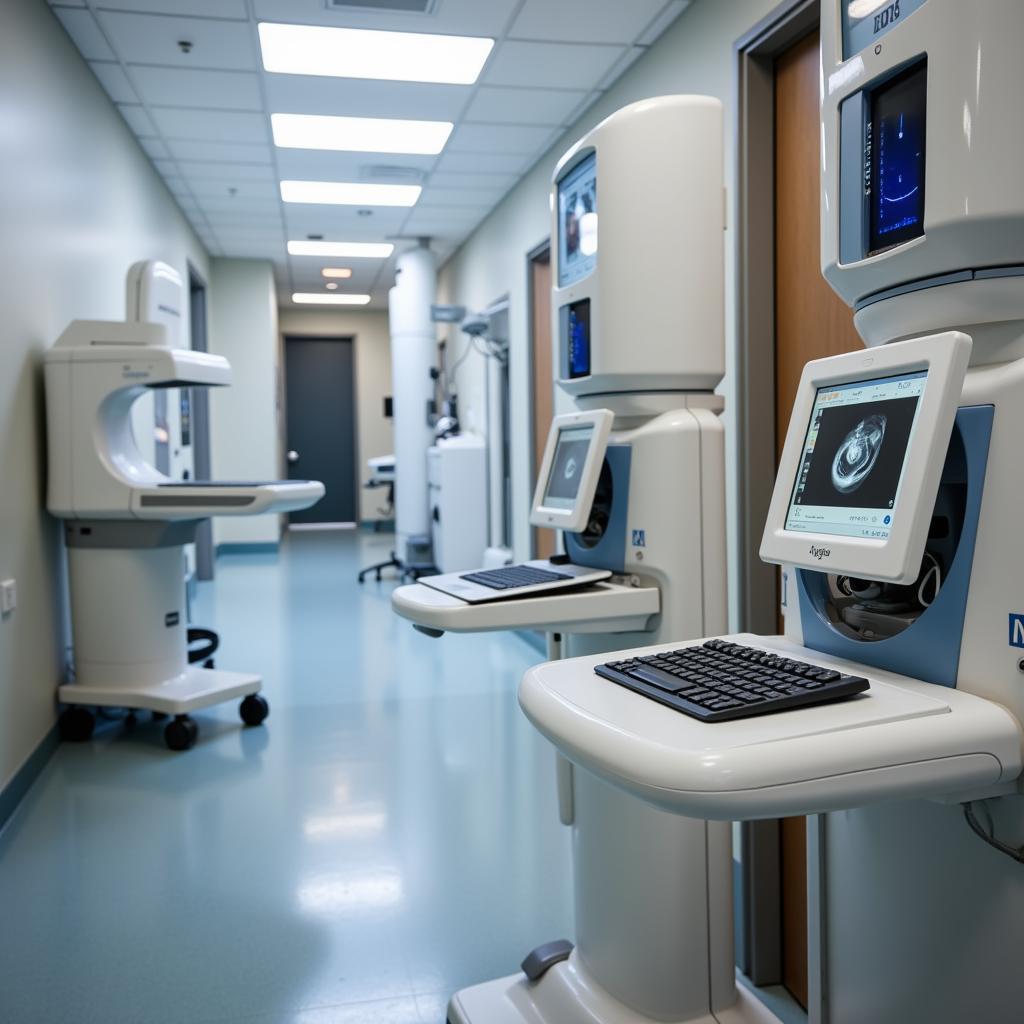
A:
(894, 517)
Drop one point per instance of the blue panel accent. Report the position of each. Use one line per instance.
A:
(852, 227)
(1016, 629)
(930, 648)
(610, 551)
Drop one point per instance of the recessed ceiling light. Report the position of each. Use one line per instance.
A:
(330, 300)
(336, 272)
(343, 193)
(367, 53)
(331, 286)
(345, 250)
(359, 134)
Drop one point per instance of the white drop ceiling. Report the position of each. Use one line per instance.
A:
(203, 116)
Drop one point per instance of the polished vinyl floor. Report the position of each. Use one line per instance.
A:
(389, 836)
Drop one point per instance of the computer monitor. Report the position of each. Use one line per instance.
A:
(864, 451)
(571, 469)
(577, 221)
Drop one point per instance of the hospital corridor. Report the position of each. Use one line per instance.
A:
(509, 511)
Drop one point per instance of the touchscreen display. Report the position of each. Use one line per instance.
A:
(577, 222)
(896, 211)
(848, 481)
(567, 466)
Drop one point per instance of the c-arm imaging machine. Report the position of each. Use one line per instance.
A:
(126, 524)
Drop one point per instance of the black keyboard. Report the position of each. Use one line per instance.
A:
(719, 681)
(514, 576)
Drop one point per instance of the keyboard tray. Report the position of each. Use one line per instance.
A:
(903, 739)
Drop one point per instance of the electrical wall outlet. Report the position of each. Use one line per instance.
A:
(8, 596)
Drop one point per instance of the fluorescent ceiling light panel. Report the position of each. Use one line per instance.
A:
(367, 53)
(316, 298)
(343, 250)
(341, 272)
(342, 193)
(359, 134)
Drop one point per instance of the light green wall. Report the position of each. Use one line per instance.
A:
(79, 203)
(695, 55)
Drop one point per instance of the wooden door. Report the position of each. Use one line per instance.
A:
(543, 384)
(811, 321)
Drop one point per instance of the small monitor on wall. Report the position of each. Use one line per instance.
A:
(863, 455)
(577, 221)
(570, 469)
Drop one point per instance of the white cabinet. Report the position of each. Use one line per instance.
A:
(457, 485)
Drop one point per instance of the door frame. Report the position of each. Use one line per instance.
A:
(352, 338)
(532, 255)
(760, 878)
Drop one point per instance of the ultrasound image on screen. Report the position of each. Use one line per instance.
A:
(567, 466)
(858, 455)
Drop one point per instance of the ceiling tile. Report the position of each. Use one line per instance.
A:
(630, 57)
(465, 17)
(671, 11)
(153, 39)
(85, 33)
(215, 125)
(558, 65)
(478, 198)
(483, 163)
(321, 165)
(227, 152)
(115, 81)
(452, 179)
(211, 188)
(197, 171)
(201, 8)
(583, 21)
(303, 94)
(499, 138)
(524, 106)
(331, 221)
(155, 149)
(193, 87)
(137, 118)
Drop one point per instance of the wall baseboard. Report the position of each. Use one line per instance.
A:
(269, 547)
(14, 792)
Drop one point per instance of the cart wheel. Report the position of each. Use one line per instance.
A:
(180, 733)
(254, 709)
(76, 724)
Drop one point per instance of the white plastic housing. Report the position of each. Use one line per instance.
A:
(94, 374)
(413, 353)
(898, 558)
(656, 288)
(457, 485)
(974, 205)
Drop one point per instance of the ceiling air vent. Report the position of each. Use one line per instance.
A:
(403, 6)
(391, 173)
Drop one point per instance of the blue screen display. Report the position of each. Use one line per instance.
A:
(579, 339)
(897, 139)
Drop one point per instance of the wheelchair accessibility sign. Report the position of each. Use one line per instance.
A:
(1016, 629)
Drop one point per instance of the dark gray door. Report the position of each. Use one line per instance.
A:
(321, 445)
(200, 426)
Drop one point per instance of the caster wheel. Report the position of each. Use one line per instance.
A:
(180, 733)
(209, 663)
(76, 724)
(254, 709)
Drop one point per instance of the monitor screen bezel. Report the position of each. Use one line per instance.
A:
(897, 558)
(573, 519)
